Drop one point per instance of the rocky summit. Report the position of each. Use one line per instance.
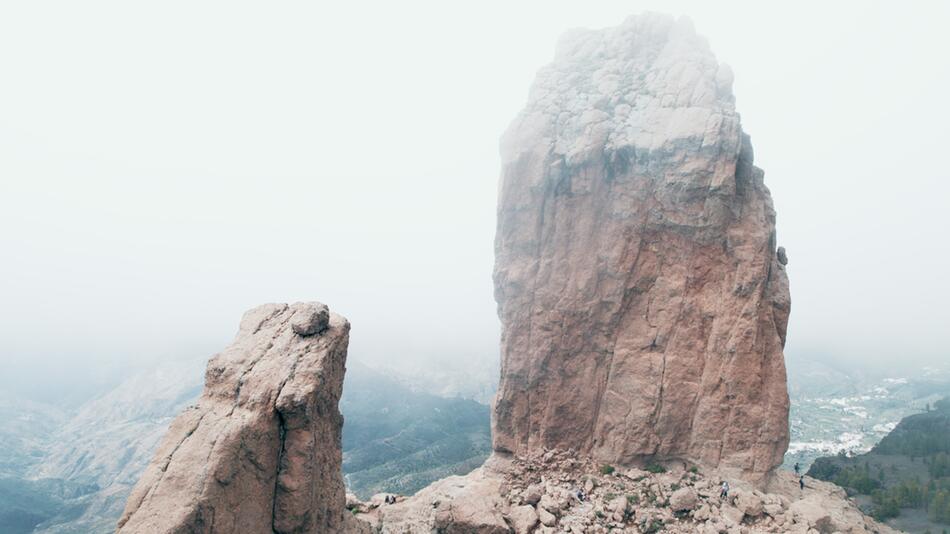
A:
(261, 450)
(642, 295)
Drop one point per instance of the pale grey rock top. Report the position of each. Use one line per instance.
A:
(644, 83)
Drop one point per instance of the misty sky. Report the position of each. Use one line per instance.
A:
(166, 165)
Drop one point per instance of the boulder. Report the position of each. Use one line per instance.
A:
(750, 503)
(532, 494)
(311, 319)
(683, 500)
(523, 518)
(731, 515)
(549, 503)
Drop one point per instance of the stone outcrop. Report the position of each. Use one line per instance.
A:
(261, 450)
(643, 302)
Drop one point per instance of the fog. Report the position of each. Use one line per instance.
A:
(166, 166)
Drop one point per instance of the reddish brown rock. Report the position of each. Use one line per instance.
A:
(643, 304)
(261, 450)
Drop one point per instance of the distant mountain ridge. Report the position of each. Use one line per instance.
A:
(65, 472)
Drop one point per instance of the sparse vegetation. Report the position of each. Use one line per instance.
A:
(421, 439)
(925, 437)
(653, 526)
(655, 468)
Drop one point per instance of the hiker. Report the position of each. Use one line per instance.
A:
(725, 490)
(797, 468)
(801, 482)
(580, 495)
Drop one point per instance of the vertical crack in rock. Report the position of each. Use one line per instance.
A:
(630, 146)
(282, 430)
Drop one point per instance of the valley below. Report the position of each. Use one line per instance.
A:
(69, 470)
(848, 411)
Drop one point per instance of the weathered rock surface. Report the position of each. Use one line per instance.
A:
(260, 453)
(498, 499)
(643, 304)
(473, 504)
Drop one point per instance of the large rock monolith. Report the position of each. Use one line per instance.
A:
(643, 302)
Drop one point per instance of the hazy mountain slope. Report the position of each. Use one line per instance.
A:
(70, 473)
(473, 378)
(905, 478)
(400, 440)
(25, 430)
(24, 504)
(850, 410)
(111, 438)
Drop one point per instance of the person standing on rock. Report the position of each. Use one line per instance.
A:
(801, 482)
(797, 468)
(725, 490)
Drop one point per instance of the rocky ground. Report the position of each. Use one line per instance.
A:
(540, 494)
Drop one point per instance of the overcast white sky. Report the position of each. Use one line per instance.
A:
(166, 165)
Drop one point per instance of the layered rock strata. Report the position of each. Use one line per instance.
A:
(260, 453)
(642, 300)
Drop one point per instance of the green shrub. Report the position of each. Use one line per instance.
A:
(656, 468)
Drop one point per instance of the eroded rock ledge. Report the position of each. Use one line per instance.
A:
(260, 453)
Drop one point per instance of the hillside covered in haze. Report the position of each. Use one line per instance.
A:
(70, 471)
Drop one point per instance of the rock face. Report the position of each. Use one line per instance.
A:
(261, 450)
(643, 304)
